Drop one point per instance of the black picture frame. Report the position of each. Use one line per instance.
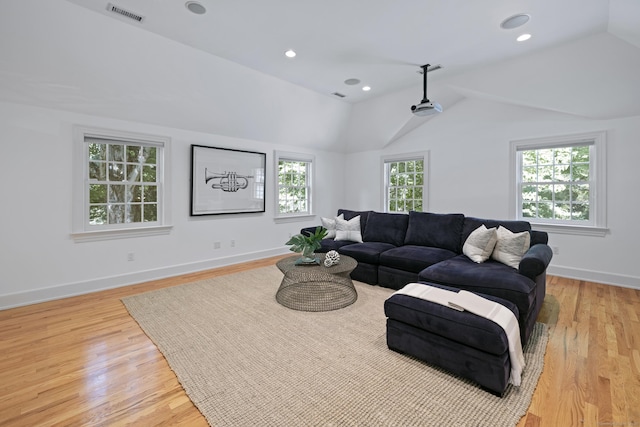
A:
(227, 181)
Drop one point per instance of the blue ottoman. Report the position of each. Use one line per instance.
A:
(463, 343)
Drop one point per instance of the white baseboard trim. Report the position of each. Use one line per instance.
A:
(80, 288)
(595, 276)
(104, 283)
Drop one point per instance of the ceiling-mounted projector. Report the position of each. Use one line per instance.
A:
(426, 107)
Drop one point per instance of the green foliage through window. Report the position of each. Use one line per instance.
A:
(123, 182)
(555, 183)
(404, 185)
(294, 188)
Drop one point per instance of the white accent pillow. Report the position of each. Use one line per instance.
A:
(348, 230)
(330, 225)
(480, 244)
(511, 247)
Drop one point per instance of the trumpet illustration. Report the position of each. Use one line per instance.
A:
(227, 181)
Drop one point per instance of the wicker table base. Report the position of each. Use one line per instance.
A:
(316, 287)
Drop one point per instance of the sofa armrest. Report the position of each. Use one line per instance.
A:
(539, 237)
(536, 260)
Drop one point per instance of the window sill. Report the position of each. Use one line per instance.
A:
(126, 233)
(293, 218)
(579, 230)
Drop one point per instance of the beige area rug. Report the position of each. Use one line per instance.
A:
(245, 360)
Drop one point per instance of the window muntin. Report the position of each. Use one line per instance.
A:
(294, 185)
(554, 183)
(404, 185)
(118, 186)
(559, 183)
(123, 183)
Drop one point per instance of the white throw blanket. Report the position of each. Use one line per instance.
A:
(479, 306)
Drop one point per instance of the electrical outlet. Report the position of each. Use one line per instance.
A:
(216, 245)
(131, 256)
(555, 250)
(233, 243)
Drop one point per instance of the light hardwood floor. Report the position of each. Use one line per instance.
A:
(84, 361)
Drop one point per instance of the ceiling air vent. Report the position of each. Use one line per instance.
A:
(120, 11)
(338, 94)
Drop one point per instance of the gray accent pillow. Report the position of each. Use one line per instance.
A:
(511, 247)
(480, 244)
(348, 229)
(330, 225)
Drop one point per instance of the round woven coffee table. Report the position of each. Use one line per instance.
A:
(316, 287)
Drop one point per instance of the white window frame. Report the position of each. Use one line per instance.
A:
(82, 231)
(384, 160)
(597, 224)
(294, 157)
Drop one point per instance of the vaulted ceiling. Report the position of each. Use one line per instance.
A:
(582, 59)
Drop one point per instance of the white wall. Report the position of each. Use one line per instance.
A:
(38, 258)
(67, 60)
(67, 65)
(469, 173)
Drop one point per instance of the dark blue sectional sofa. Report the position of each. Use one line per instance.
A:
(427, 247)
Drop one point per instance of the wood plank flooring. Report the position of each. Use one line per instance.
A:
(83, 361)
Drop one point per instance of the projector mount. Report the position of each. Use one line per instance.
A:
(426, 107)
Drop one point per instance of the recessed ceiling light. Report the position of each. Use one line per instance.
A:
(196, 7)
(290, 54)
(515, 21)
(351, 82)
(366, 88)
(523, 37)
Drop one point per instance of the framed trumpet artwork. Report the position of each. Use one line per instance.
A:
(226, 181)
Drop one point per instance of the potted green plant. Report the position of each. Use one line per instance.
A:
(307, 245)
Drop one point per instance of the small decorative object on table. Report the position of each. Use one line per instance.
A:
(307, 245)
(331, 258)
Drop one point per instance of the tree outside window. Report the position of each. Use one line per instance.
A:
(555, 183)
(404, 188)
(118, 186)
(559, 183)
(122, 184)
(294, 184)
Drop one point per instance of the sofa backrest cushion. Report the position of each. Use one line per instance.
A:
(435, 230)
(364, 215)
(471, 223)
(386, 228)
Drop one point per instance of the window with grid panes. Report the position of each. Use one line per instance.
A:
(122, 183)
(555, 183)
(294, 185)
(404, 185)
(119, 185)
(560, 181)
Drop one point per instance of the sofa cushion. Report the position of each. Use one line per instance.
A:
(435, 230)
(480, 244)
(367, 252)
(414, 258)
(510, 247)
(490, 277)
(386, 227)
(333, 245)
(471, 223)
